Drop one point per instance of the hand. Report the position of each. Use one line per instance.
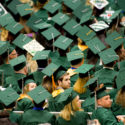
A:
(97, 122)
(120, 118)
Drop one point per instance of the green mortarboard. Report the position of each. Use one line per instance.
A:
(115, 14)
(21, 40)
(37, 18)
(74, 48)
(14, 27)
(120, 80)
(63, 42)
(6, 19)
(72, 27)
(24, 9)
(121, 4)
(54, 55)
(101, 93)
(95, 45)
(42, 25)
(85, 33)
(108, 55)
(52, 6)
(8, 96)
(2, 10)
(39, 94)
(28, 81)
(50, 69)
(41, 55)
(72, 4)
(98, 26)
(83, 13)
(59, 72)
(12, 6)
(74, 55)
(67, 96)
(84, 68)
(18, 63)
(60, 18)
(50, 33)
(3, 47)
(91, 81)
(114, 39)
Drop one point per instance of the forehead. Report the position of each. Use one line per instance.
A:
(66, 76)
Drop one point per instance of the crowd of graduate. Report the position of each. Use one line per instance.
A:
(62, 62)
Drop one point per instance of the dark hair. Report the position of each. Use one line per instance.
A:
(75, 62)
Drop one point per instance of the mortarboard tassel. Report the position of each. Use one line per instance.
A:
(53, 83)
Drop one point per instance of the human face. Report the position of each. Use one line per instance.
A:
(65, 83)
(32, 86)
(13, 54)
(105, 102)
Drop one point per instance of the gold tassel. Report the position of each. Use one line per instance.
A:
(53, 83)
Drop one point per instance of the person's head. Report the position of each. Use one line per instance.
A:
(121, 97)
(70, 108)
(64, 81)
(29, 86)
(13, 54)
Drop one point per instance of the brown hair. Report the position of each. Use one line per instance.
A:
(120, 98)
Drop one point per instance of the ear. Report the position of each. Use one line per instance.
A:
(99, 102)
(59, 83)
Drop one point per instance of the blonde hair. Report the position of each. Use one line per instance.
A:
(4, 34)
(121, 97)
(70, 109)
(31, 64)
(78, 86)
(27, 1)
(26, 89)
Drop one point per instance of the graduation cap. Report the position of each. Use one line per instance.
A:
(50, 69)
(42, 25)
(6, 19)
(91, 81)
(74, 55)
(120, 80)
(63, 42)
(12, 6)
(84, 68)
(41, 55)
(21, 40)
(14, 27)
(8, 96)
(99, 4)
(52, 6)
(85, 33)
(3, 47)
(101, 92)
(24, 9)
(2, 10)
(37, 18)
(60, 18)
(50, 33)
(72, 27)
(114, 39)
(39, 94)
(72, 4)
(108, 55)
(95, 45)
(100, 25)
(67, 96)
(83, 13)
(18, 63)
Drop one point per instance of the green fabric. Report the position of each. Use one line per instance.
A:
(105, 117)
(24, 104)
(53, 105)
(79, 118)
(35, 117)
(104, 77)
(73, 79)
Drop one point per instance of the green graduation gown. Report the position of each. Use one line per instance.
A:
(105, 116)
(35, 117)
(79, 118)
